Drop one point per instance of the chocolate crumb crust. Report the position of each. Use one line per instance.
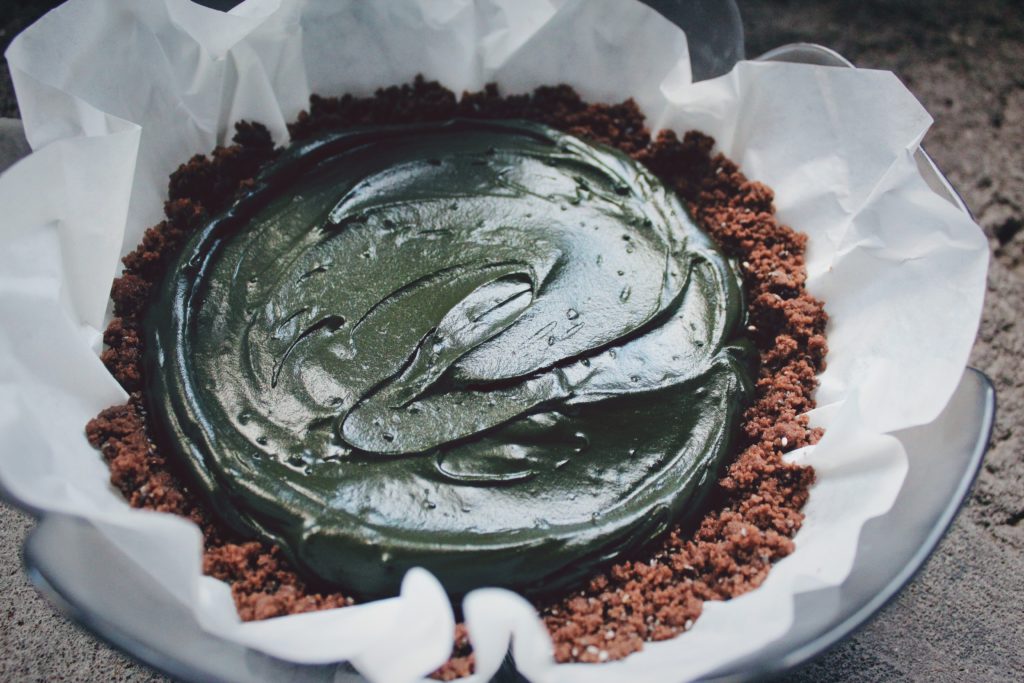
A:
(756, 506)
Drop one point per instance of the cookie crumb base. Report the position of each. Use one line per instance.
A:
(755, 509)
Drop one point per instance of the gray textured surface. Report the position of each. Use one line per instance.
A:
(961, 619)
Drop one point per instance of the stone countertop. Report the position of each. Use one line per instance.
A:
(961, 618)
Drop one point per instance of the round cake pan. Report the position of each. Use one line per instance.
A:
(892, 547)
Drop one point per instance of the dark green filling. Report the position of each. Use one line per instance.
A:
(484, 348)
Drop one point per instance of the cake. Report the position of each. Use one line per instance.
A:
(639, 580)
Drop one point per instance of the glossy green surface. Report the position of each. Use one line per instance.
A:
(484, 348)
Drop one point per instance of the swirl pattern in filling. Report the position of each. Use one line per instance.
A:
(485, 348)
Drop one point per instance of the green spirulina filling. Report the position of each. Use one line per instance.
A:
(484, 348)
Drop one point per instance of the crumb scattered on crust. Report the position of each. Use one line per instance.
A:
(756, 506)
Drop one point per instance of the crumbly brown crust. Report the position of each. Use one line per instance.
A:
(756, 506)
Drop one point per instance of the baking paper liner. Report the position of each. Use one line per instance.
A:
(116, 93)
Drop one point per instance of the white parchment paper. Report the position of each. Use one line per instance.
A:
(116, 93)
